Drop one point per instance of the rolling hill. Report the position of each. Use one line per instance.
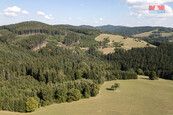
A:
(43, 64)
(160, 34)
(128, 31)
(117, 41)
(147, 33)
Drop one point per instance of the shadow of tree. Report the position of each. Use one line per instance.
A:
(144, 78)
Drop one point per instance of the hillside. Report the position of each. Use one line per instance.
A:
(132, 97)
(43, 64)
(117, 41)
(123, 30)
(147, 33)
(161, 34)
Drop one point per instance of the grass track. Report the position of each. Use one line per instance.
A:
(134, 97)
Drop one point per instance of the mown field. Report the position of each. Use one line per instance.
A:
(145, 34)
(133, 97)
(128, 43)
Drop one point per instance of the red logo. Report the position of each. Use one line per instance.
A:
(157, 8)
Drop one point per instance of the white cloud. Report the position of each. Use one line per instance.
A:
(139, 8)
(47, 16)
(13, 14)
(148, 1)
(25, 12)
(101, 19)
(40, 13)
(12, 9)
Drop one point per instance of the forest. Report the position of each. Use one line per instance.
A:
(32, 79)
(146, 60)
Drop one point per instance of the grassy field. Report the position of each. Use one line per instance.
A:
(107, 50)
(145, 34)
(167, 34)
(128, 43)
(134, 97)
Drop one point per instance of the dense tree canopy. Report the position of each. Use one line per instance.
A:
(147, 59)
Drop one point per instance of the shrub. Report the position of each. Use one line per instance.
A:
(31, 104)
(114, 87)
(73, 95)
(140, 71)
(153, 76)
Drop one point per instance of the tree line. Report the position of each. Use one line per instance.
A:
(159, 60)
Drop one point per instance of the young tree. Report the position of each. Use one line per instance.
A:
(74, 95)
(153, 76)
(31, 104)
(78, 74)
(140, 71)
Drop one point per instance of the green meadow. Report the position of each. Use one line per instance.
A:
(133, 97)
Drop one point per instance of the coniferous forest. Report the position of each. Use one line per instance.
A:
(51, 74)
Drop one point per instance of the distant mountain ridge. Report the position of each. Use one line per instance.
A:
(123, 30)
(160, 34)
(153, 33)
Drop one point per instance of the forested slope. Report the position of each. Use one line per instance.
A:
(158, 60)
(30, 79)
(54, 74)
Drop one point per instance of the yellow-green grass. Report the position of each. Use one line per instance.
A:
(170, 40)
(128, 43)
(167, 34)
(133, 97)
(84, 48)
(107, 50)
(145, 34)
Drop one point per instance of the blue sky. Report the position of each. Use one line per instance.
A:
(86, 12)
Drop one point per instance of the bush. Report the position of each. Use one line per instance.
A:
(153, 76)
(114, 87)
(73, 95)
(140, 71)
(31, 104)
(61, 95)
